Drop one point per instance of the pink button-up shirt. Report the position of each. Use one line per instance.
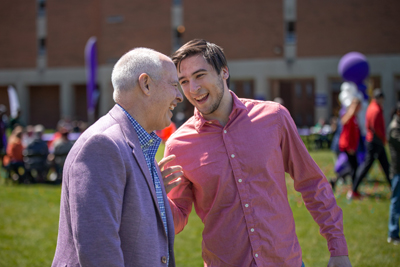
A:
(235, 176)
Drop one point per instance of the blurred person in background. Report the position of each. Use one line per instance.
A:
(3, 132)
(394, 147)
(28, 137)
(375, 139)
(60, 125)
(61, 148)
(350, 135)
(114, 210)
(322, 131)
(13, 161)
(35, 156)
(234, 153)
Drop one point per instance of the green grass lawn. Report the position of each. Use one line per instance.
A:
(29, 224)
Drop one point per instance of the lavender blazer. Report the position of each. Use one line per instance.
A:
(109, 213)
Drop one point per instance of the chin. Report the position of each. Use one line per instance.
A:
(167, 124)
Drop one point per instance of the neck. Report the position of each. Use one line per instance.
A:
(137, 111)
(224, 109)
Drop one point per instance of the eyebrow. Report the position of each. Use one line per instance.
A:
(194, 73)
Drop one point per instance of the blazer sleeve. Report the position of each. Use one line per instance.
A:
(96, 189)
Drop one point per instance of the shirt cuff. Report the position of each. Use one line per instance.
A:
(338, 247)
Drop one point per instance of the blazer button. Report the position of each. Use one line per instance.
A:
(164, 259)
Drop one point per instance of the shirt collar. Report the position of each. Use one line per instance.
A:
(146, 139)
(236, 107)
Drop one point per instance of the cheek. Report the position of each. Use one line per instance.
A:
(186, 91)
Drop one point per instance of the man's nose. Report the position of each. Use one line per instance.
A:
(179, 96)
(194, 87)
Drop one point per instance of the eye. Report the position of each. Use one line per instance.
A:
(183, 82)
(200, 75)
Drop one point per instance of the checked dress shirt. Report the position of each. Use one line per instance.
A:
(149, 144)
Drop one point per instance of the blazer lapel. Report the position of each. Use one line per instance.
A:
(133, 141)
(138, 154)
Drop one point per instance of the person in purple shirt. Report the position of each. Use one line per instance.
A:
(234, 153)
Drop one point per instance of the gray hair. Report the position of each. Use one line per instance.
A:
(126, 72)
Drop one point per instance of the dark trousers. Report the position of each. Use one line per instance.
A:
(353, 164)
(374, 151)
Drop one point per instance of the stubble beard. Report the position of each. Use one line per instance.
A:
(220, 93)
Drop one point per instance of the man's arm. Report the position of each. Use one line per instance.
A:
(312, 184)
(339, 261)
(96, 189)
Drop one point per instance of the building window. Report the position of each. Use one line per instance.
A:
(290, 32)
(178, 35)
(397, 86)
(247, 92)
(41, 8)
(177, 2)
(115, 19)
(298, 89)
(298, 120)
(334, 84)
(232, 86)
(309, 90)
(242, 88)
(42, 46)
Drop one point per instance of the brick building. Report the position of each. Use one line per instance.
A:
(275, 48)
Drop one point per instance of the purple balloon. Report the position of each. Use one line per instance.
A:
(363, 89)
(354, 67)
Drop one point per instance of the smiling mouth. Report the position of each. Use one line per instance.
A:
(202, 98)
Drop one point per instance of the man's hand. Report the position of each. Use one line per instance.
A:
(339, 261)
(171, 175)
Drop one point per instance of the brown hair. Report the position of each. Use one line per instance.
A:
(212, 53)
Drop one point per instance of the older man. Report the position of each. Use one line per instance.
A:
(114, 211)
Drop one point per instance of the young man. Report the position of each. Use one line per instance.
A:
(114, 211)
(234, 154)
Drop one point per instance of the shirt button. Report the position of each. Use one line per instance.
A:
(224, 131)
(256, 255)
(252, 229)
(240, 180)
(164, 259)
(233, 155)
(247, 205)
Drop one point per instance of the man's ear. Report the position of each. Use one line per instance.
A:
(225, 73)
(144, 81)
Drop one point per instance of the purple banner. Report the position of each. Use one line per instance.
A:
(91, 70)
